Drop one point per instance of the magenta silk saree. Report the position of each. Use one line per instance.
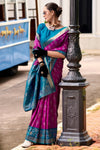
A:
(42, 94)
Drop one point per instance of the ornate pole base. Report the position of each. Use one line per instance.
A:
(74, 139)
(74, 115)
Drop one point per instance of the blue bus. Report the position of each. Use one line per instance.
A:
(14, 34)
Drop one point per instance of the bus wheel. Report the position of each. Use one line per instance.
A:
(12, 71)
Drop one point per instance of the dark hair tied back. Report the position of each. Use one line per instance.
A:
(59, 11)
(55, 8)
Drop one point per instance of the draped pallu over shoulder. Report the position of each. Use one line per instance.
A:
(38, 86)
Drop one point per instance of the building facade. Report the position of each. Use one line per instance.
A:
(89, 20)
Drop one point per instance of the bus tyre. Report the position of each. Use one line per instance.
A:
(12, 71)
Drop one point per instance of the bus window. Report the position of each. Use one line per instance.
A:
(21, 9)
(2, 10)
(11, 4)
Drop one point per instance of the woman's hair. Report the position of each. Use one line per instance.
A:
(55, 8)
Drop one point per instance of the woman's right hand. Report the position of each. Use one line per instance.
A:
(39, 52)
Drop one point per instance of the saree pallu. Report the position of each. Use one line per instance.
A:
(44, 92)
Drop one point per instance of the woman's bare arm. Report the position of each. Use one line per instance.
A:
(55, 54)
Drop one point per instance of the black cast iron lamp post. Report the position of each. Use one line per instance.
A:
(74, 95)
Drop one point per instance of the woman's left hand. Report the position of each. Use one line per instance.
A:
(43, 70)
(39, 52)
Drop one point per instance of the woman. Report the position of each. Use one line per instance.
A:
(42, 90)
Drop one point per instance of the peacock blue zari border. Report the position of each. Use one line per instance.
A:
(41, 136)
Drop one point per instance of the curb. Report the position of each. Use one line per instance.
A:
(90, 54)
(59, 127)
(93, 108)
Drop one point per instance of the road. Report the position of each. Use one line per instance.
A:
(14, 121)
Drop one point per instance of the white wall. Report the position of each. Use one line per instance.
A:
(97, 17)
(87, 41)
(66, 12)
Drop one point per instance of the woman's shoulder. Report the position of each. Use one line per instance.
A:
(41, 25)
(40, 28)
(66, 28)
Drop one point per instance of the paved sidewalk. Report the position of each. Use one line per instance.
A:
(93, 128)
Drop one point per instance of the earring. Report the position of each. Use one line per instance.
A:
(45, 21)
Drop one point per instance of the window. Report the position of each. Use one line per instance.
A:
(2, 10)
(85, 16)
(21, 9)
(11, 9)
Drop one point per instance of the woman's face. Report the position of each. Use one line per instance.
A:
(47, 14)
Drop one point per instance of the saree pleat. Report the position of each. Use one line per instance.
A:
(43, 125)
